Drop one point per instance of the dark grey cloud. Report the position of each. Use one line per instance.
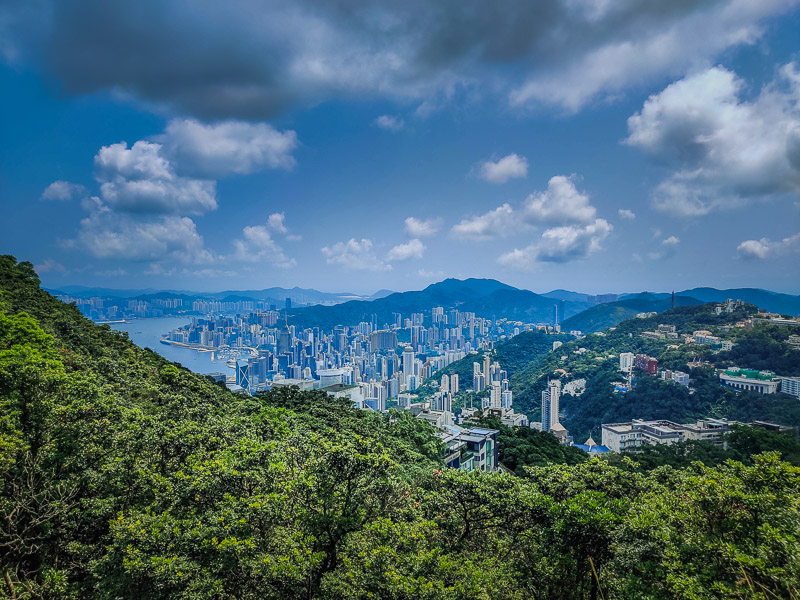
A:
(252, 59)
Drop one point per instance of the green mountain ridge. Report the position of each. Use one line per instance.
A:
(610, 314)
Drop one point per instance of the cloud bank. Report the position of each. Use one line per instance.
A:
(722, 150)
(252, 59)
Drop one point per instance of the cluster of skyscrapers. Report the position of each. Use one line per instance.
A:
(382, 361)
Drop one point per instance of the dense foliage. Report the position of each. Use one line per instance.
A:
(125, 476)
(595, 358)
(522, 447)
(611, 314)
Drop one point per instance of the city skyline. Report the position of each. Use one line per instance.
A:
(298, 145)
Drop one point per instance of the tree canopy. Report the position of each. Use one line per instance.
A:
(123, 475)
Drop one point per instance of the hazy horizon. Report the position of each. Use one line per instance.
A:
(365, 146)
(369, 293)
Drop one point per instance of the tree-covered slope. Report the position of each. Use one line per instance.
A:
(513, 354)
(595, 358)
(610, 314)
(124, 476)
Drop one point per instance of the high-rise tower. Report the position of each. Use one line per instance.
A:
(550, 404)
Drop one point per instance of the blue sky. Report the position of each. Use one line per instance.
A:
(581, 144)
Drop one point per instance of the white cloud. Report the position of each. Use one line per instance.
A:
(413, 249)
(106, 234)
(172, 175)
(228, 147)
(159, 269)
(390, 123)
(512, 166)
(417, 228)
(560, 203)
(668, 246)
(430, 274)
(354, 255)
(627, 214)
(143, 160)
(276, 222)
(257, 246)
(49, 265)
(180, 196)
(140, 180)
(63, 190)
(498, 222)
(671, 241)
(766, 248)
(559, 245)
(724, 151)
(208, 273)
(142, 212)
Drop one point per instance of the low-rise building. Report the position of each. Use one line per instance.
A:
(473, 449)
(303, 384)
(342, 390)
(678, 377)
(645, 363)
(619, 437)
(653, 335)
(763, 382)
(704, 337)
(438, 418)
(507, 416)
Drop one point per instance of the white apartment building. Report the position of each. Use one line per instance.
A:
(619, 437)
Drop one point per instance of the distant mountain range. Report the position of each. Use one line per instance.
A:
(766, 300)
(493, 299)
(485, 297)
(274, 295)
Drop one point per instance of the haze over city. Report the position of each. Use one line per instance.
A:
(354, 147)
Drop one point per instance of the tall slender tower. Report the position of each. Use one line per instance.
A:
(408, 364)
(496, 395)
(550, 404)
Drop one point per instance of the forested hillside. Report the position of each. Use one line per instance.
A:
(611, 314)
(513, 355)
(595, 358)
(125, 476)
